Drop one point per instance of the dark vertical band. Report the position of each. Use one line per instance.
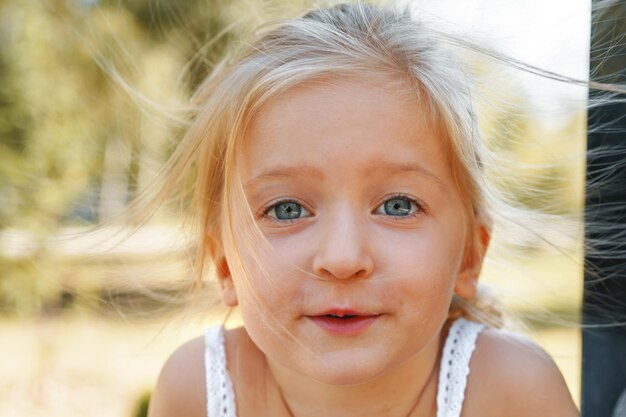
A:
(604, 298)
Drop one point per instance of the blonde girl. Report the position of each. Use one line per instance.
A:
(339, 197)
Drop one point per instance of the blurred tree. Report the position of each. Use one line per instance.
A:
(74, 133)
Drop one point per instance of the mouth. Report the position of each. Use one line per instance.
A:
(344, 323)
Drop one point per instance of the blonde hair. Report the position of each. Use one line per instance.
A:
(342, 41)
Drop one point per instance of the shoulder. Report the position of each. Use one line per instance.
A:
(513, 376)
(180, 389)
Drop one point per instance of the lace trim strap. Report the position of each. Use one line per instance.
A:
(454, 370)
(219, 388)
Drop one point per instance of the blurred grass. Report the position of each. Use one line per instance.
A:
(83, 364)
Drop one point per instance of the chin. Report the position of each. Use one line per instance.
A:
(347, 369)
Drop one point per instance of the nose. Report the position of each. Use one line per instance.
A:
(343, 250)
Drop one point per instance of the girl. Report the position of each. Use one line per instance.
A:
(340, 198)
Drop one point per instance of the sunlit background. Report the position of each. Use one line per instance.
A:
(89, 90)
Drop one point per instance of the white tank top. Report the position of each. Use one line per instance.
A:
(457, 352)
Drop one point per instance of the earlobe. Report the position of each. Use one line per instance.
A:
(466, 285)
(227, 288)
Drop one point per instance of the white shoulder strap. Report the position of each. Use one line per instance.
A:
(219, 387)
(454, 370)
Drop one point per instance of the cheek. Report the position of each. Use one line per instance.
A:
(425, 263)
(267, 296)
(271, 277)
(433, 250)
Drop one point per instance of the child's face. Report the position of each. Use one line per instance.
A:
(353, 192)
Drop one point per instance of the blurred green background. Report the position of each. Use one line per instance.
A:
(87, 88)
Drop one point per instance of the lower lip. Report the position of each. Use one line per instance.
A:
(344, 327)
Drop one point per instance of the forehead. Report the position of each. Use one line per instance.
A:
(340, 123)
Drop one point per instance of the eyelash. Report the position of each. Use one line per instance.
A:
(419, 208)
(265, 211)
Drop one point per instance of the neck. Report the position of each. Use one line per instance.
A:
(400, 392)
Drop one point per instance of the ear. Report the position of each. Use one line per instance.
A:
(225, 281)
(467, 281)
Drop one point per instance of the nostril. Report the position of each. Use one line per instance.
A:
(360, 274)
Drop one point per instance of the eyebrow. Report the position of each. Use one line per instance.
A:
(313, 172)
(287, 172)
(393, 167)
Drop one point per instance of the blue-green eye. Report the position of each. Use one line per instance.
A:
(399, 206)
(287, 210)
